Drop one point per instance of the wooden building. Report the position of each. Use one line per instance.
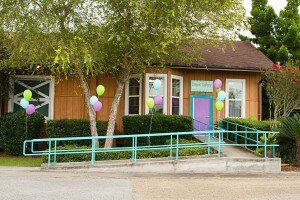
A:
(186, 89)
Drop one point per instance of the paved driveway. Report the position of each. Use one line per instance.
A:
(31, 183)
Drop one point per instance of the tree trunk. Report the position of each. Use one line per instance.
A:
(298, 150)
(91, 112)
(113, 113)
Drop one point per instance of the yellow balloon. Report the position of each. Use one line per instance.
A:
(219, 105)
(150, 103)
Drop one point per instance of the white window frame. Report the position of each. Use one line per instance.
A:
(243, 111)
(127, 95)
(51, 92)
(165, 77)
(180, 78)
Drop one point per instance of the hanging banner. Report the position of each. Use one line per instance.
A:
(202, 86)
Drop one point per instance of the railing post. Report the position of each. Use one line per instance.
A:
(257, 141)
(132, 153)
(265, 146)
(208, 149)
(235, 133)
(273, 152)
(171, 145)
(246, 136)
(49, 154)
(177, 146)
(135, 149)
(93, 151)
(227, 130)
(219, 145)
(54, 155)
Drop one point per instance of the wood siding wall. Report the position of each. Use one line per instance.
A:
(69, 100)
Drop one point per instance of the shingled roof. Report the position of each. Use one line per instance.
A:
(239, 55)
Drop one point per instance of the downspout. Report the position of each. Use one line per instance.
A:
(260, 100)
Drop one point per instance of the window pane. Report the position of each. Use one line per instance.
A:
(235, 108)
(175, 106)
(176, 87)
(152, 91)
(133, 105)
(235, 90)
(134, 87)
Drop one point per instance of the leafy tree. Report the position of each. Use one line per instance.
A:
(52, 36)
(282, 87)
(277, 36)
(143, 33)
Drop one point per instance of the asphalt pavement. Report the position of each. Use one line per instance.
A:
(88, 184)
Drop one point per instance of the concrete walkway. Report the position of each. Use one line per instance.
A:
(231, 151)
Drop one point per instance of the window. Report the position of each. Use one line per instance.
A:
(42, 88)
(235, 103)
(133, 96)
(177, 95)
(151, 92)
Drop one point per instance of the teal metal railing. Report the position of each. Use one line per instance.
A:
(244, 132)
(52, 143)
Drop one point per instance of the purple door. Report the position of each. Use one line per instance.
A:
(201, 110)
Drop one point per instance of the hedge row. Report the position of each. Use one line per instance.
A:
(287, 148)
(124, 155)
(74, 128)
(141, 124)
(13, 130)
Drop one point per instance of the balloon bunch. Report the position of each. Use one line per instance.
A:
(97, 105)
(30, 108)
(221, 94)
(158, 100)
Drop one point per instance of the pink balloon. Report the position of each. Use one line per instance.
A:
(30, 109)
(217, 83)
(158, 100)
(97, 106)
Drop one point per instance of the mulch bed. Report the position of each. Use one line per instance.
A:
(290, 167)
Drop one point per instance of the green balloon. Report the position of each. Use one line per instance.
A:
(219, 105)
(100, 90)
(27, 94)
(150, 103)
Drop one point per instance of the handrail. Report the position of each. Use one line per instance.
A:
(237, 133)
(52, 150)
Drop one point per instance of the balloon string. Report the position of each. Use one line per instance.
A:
(26, 126)
(149, 141)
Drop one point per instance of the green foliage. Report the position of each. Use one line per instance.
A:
(122, 155)
(277, 36)
(290, 127)
(160, 124)
(13, 131)
(74, 128)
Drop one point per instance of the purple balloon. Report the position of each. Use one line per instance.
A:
(217, 83)
(30, 109)
(97, 106)
(158, 100)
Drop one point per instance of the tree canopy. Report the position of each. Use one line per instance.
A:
(278, 36)
(107, 36)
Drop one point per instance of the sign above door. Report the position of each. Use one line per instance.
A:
(202, 86)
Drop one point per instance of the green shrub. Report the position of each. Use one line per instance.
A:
(140, 124)
(13, 130)
(74, 128)
(121, 155)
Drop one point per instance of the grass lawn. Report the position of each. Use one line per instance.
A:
(19, 161)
